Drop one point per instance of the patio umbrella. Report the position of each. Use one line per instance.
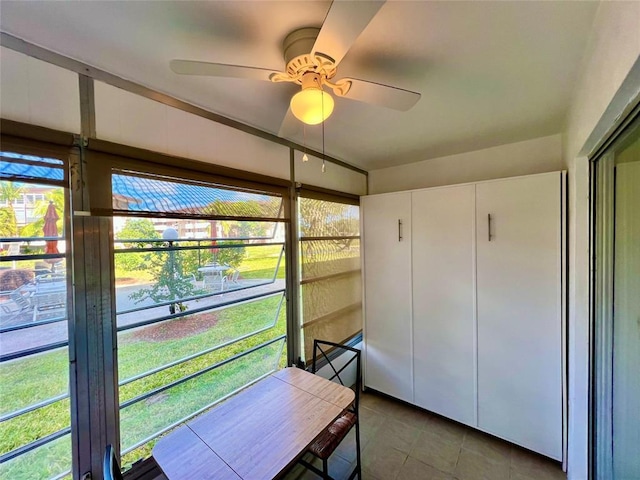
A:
(50, 229)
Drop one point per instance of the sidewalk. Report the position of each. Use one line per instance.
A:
(43, 335)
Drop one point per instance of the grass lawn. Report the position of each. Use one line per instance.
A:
(261, 262)
(35, 378)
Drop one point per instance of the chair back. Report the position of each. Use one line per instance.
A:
(235, 273)
(110, 467)
(339, 361)
(21, 298)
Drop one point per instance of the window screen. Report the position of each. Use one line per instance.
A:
(35, 438)
(330, 271)
(200, 299)
(162, 195)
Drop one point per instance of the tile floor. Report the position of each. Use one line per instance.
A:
(400, 442)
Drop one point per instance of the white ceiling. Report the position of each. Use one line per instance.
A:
(490, 72)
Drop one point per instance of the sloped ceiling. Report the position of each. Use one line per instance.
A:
(490, 73)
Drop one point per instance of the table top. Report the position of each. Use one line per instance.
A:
(214, 268)
(256, 434)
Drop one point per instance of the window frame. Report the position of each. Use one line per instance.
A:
(333, 196)
(63, 151)
(105, 158)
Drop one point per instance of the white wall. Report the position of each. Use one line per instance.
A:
(129, 119)
(532, 156)
(335, 177)
(609, 81)
(35, 92)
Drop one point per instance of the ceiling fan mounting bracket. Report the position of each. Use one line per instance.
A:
(300, 58)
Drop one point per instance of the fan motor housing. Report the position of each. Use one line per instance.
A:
(297, 47)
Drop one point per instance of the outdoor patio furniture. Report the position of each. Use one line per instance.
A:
(213, 276)
(20, 300)
(50, 293)
(233, 277)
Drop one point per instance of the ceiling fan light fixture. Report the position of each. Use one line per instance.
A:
(312, 105)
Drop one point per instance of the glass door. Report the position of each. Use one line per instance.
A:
(617, 309)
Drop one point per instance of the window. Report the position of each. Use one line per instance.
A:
(35, 439)
(198, 316)
(330, 270)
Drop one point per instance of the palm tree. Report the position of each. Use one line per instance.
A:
(9, 193)
(34, 229)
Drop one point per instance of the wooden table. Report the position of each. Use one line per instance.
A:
(258, 433)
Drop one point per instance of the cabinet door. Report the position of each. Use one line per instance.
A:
(444, 343)
(387, 277)
(519, 311)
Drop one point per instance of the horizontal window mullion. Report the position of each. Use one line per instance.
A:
(346, 273)
(199, 373)
(335, 237)
(334, 314)
(33, 407)
(58, 165)
(37, 256)
(33, 445)
(196, 310)
(188, 216)
(30, 179)
(197, 240)
(22, 326)
(188, 248)
(204, 352)
(193, 356)
(33, 351)
(31, 239)
(61, 475)
(171, 302)
(194, 414)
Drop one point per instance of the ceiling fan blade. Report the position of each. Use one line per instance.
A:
(192, 67)
(383, 95)
(342, 26)
(290, 125)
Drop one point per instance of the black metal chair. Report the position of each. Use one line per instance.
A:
(110, 467)
(327, 442)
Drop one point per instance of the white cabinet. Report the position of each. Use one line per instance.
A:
(387, 276)
(463, 316)
(519, 310)
(443, 307)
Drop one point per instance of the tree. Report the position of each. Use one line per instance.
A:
(8, 226)
(319, 218)
(231, 256)
(137, 229)
(10, 192)
(170, 284)
(34, 229)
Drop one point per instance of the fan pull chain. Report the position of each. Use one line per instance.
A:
(324, 167)
(305, 157)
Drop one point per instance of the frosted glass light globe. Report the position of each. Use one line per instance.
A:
(307, 106)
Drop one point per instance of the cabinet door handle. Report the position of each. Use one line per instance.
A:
(399, 230)
(489, 236)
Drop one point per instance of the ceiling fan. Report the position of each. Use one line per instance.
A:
(312, 56)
